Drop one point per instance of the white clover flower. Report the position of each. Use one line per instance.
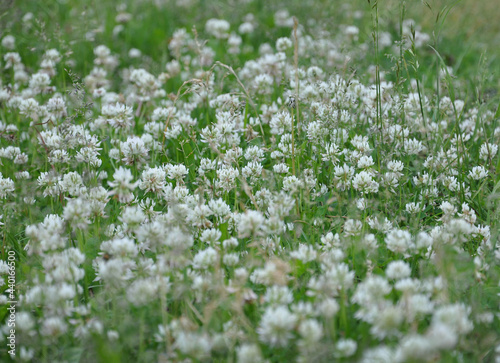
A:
(219, 207)
(442, 336)
(372, 289)
(9, 42)
(113, 335)
(455, 316)
(217, 27)
(101, 51)
(328, 307)
(121, 247)
(361, 204)
(413, 208)
(352, 227)
(233, 155)
(380, 354)
(153, 180)
(4, 267)
(449, 210)
(488, 151)
(305, 253)
(478, 173)
(316, 131)
(280, 122)
(468, 214)
(345, 348)
(423, 240)
(51, 139)
(364, 183)
(52, 55)
(104, 57)
(292, 183)
(146, 84)
(231, 259)
(331, 153)
(246, 28)
(64, 292)
(365, 162)
(205, 259)
(285, 144)
(361, 143)
(263, 83)
(118, 115)
(178, 239)
(77, 213)
(57, 107)
(53, 327)
(211, 236)
(451, 183)
(4, 98)
(197, 345)
(276, 325)
(11, 59)
(407, 285)
(48, 235)
(251, 223)
(254, 153)
(173, 67)
(336, 278)
(343, 176)
(310, 330)
(7, 186)
(419, 304)
(21, 76)
(249, 353)
(198, 216)
(315, 73)
(282, 18)
(330, 239)
(283, 44)
(39, 82)
(24, 321)
(413, 146)
(415, 347)
(226, 178)
(266, 275)
(132, 216)
(252, 170)
(122, 185)
(278, 295)
(281, 168)
(134, 151)
(144, 290)
(399, 241)
(134, 53)
(230, 243)
(10, 152)
(397, 270)
(72, 184)
(395, 166)
(115, 271)
(340, 276)
(29, 108)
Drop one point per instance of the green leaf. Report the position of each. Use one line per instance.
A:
(497, 114)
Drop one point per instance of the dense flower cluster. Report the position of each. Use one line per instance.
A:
(260, 208)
